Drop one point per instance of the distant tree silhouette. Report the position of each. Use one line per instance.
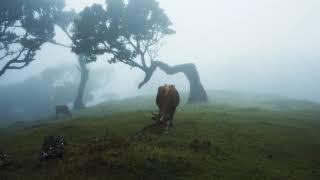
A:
(131, 33)
(36, 97)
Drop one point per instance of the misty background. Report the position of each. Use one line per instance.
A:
(265, 46)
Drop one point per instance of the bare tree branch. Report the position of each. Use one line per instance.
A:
(131, 43)
(4, 56)
(78, 67)
(133, 64)
(59, 44)
(25, 61)
(66, 32)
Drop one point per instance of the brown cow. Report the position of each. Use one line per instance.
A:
(167, 100)
(63, 109)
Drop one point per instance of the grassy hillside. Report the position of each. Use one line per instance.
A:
(235, 136)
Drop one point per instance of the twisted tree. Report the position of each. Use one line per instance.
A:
(64, 20)
(131, 32)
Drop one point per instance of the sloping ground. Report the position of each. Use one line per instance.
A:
(235, 136)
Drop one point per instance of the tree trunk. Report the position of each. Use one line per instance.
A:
(197, 93)
(78, 103)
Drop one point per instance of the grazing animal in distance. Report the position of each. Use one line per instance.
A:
(63, 109)
(167, 100)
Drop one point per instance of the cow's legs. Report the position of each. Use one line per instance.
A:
(168, 124)
(171, 116)
(162, 117)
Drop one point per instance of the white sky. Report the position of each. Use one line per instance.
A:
(269, 46)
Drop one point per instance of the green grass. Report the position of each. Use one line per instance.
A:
(252, 137)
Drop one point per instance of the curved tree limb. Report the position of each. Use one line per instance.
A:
(197, 92)
(59, 44)
(148, 74)
(25, 61)
(166, 68)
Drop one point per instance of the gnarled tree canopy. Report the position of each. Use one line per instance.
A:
(24, 26)
(131, 33)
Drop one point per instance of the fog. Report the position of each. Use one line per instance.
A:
(265, 46)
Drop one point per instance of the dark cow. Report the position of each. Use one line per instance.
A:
(63, 109)
(167, 100)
